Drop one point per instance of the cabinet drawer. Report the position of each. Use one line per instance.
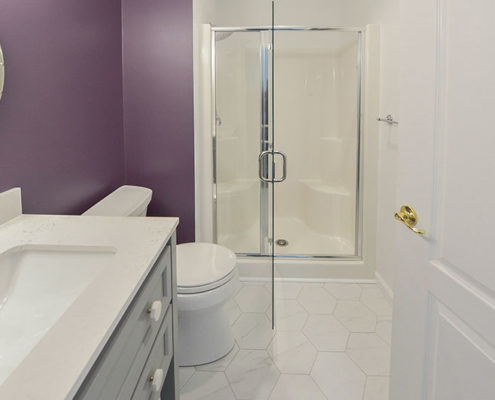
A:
(159, 359)
(113, 375)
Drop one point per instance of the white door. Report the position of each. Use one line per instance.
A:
(443, 345)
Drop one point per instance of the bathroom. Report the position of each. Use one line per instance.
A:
(315, 177)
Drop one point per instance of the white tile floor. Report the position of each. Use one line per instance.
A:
(332, 341)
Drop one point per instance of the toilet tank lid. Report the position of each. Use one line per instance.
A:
(125, 201)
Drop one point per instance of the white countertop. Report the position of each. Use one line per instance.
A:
(58, 364)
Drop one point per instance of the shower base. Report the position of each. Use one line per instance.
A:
(302, 240)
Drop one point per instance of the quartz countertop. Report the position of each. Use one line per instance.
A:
(58, 364)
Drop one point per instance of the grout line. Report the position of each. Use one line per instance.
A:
(356, 364)
(240, 313)
(374, 313)
(188, 379)
(318, 386)
(230, 384)
(235, 320)
(347, 341)
(271, 341)
(364, 387)
(274, 386)
(314, 361)
(237, 352)
(296, 373)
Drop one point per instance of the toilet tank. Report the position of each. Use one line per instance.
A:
(126, 201)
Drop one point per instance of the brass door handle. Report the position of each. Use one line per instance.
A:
(407, 215)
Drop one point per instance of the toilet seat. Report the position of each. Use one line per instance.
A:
(204, 288)
(203, 267)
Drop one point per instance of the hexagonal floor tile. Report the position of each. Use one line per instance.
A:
(384, 330)
(289, 315)
(292, 352)
(253, 298)
(338, 377)
(185, 374)
(221, 364)
(344, 291)
(370, 352)
(326, 333)
(253, 331)
(252, 374)
(207, 386)
(232, 310)
(316, 300)
(376, 388)
(355, 316)
(374, 299)
(296, 387)
(285, 290)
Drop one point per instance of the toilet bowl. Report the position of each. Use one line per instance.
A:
(206, 279)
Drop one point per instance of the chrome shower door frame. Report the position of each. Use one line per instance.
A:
(265, 144)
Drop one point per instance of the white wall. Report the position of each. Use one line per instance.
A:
(386, 253)
(386, 14)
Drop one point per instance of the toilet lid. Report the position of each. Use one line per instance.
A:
(203, 264)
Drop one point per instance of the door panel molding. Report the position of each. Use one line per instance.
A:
(467, 299)
(473, 353)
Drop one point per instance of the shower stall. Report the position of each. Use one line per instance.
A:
(282, 148)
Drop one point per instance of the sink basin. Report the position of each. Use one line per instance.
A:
(37, 284)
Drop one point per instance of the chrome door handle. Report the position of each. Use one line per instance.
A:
(261, 167)
(284, 167)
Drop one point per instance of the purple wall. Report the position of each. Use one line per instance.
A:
(73, 127)
(61, 114)
(158, 105)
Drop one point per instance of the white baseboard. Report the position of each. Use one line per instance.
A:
(385, 288)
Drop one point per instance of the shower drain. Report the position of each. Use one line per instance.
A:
(282, 242)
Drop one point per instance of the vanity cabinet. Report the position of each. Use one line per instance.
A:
(138, 362)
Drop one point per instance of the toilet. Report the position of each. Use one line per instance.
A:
(206, 279)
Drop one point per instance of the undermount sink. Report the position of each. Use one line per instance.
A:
(38, 283)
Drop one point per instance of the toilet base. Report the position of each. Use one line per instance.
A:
(204, 336)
